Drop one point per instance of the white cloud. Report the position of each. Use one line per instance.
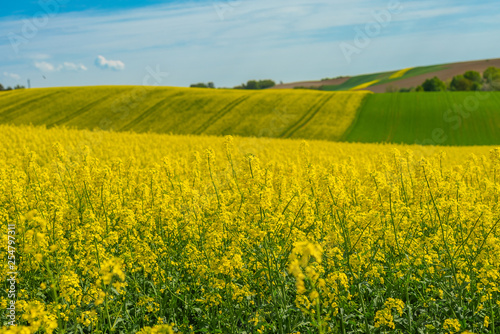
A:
(44, 66)
(103, 63)
(66, 66)
(12, 75)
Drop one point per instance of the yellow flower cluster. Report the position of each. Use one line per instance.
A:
(37, 317)
(384, 317)
(451, 325)
(299, 265)
(110, 269)
(400, 73)
(158, 329)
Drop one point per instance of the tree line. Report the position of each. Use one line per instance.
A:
(251, 84)
(2, 88)
(469, 81)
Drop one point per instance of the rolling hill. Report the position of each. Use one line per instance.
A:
(278, 114)
(444, 118)
(381, 82)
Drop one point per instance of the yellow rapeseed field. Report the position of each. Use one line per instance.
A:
(272, 113)
(365, 85)
(400, 73)
(125, 233)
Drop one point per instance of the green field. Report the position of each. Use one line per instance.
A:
(283, 114)
(383, 77)
(445, 118)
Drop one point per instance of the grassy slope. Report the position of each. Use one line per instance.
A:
(383, 77)
(270, 113)
(412, 73)
(355, 117)
(358, 80)
(414, 117)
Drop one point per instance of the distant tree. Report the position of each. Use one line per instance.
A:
(203, 85)
(199, 85)
(19, 87)
(8, 88)
(1, 87)
(492, 78)
(419, 89)
(268, 83)
(473, 76)
(491, 73)
(406, 90)
(252, 84)
(461, 84)
(434, 85)
(476, 86)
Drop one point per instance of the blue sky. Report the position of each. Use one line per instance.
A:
(176, 43)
